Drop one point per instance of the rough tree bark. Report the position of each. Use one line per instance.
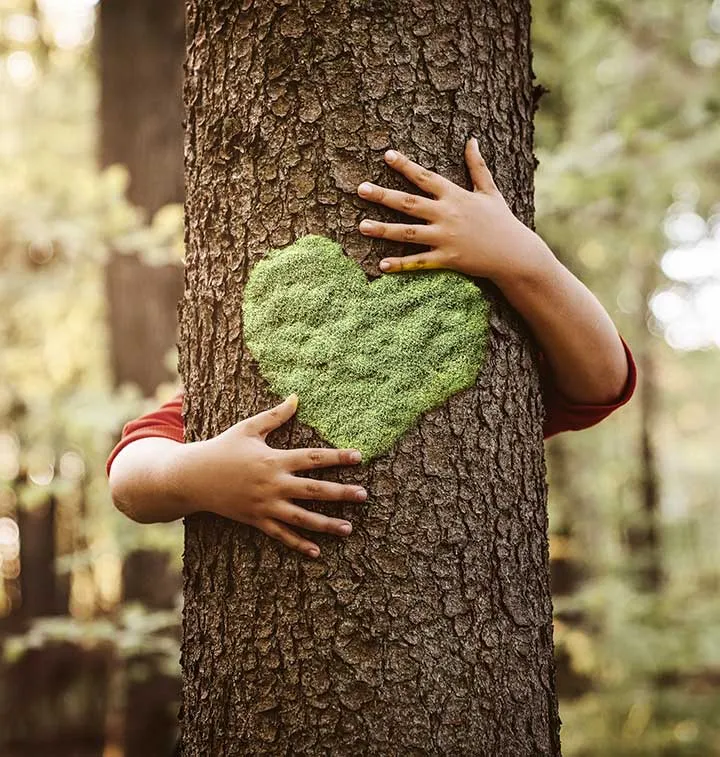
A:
(429, 630)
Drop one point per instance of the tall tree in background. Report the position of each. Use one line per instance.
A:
(142, 48)
(141, 57)
(429, 630)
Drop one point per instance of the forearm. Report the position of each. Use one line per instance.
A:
(575, 332)
(142, 482)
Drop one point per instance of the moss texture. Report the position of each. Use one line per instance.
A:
(365, 359)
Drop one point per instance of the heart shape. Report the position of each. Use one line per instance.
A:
(366, 359)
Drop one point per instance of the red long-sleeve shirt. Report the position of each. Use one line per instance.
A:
(561, 413)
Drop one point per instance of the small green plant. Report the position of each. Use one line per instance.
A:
(366, 359)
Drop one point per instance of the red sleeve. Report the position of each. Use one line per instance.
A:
(563, 414)
(166, 421)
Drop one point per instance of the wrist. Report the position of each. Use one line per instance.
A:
(532, 264)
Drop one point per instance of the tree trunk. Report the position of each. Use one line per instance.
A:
(141, 56)
(429, 630)
(644, 536)
(142, 309)
(41, 587)
(142, 48)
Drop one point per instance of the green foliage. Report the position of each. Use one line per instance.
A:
(133, 631)
(628, 130)
(365, 359)
(60, 218)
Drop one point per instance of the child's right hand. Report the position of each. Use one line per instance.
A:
(237, 475)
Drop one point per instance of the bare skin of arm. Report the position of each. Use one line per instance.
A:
(236, 475)
(475, 233)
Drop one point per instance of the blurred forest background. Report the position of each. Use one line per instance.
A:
(628, 195)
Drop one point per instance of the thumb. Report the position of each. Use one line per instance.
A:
(268, 420)
(479, 172)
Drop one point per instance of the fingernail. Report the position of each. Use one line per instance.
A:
(365, 188)
(366, 225)
(355, 456)
(361, 495)
(313, 552)
(384, 265)
(345, 529)
(292, 398)
(390, 156)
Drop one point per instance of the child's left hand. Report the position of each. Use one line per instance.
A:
(473, 232)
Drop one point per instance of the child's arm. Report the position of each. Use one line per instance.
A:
(475, 232)
(236, 475)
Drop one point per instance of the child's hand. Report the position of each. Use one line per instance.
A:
(471, 232)
(237, 475)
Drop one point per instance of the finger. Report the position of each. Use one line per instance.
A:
(318, 457)
(414, 205)
(421, 262)
(399, 232)
(297, 487)
(288, 537)
(427, 180)
(263, 423)
(479, 172)
(294, 515)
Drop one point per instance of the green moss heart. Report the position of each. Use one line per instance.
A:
(366, 359)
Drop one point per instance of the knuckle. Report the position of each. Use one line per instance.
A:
(313, 489)
(296, 518)
(424, 175)
(327, 525)
(316, 457)
(409, 202)
(267, 464)
(454, 237)
(282, 535)
(451, 256)
(379, 192)
(256, 498)
(409, 232)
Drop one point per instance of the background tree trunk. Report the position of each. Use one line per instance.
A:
(141, 55)
(429, 630)
(41, 587)
(141, 58)
(142, 48)
(644, 535)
